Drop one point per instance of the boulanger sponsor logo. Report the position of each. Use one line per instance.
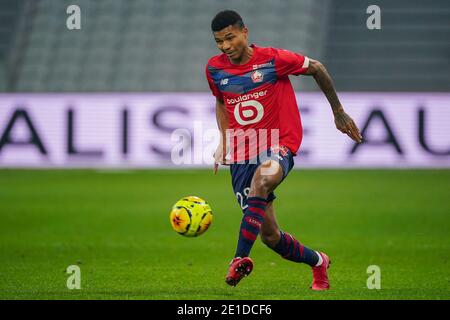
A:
(248, 112)
(245, 97)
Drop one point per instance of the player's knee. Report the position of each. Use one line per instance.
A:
(270, 239)
(262, 186)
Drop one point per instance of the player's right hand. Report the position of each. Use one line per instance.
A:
(219, 158)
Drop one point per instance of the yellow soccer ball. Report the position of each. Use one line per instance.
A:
(191, 216)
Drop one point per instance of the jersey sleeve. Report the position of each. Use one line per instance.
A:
(290, 63)
(215, 91)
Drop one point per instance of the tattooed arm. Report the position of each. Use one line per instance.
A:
(343, 122)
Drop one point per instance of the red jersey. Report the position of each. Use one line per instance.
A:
(259, 99)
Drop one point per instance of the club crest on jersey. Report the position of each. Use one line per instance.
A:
(257, 76)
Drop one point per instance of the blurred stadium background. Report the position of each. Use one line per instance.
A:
(109, 96)
(172, 39)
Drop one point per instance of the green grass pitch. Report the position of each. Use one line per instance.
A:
(115, 226)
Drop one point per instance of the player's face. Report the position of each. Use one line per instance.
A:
(232, 41)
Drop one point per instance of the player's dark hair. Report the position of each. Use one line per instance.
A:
(226, 18)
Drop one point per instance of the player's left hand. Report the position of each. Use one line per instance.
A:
(346, 125)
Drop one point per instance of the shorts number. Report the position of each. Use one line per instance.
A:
(240, 197)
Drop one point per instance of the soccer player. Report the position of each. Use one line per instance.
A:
(253, 96)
